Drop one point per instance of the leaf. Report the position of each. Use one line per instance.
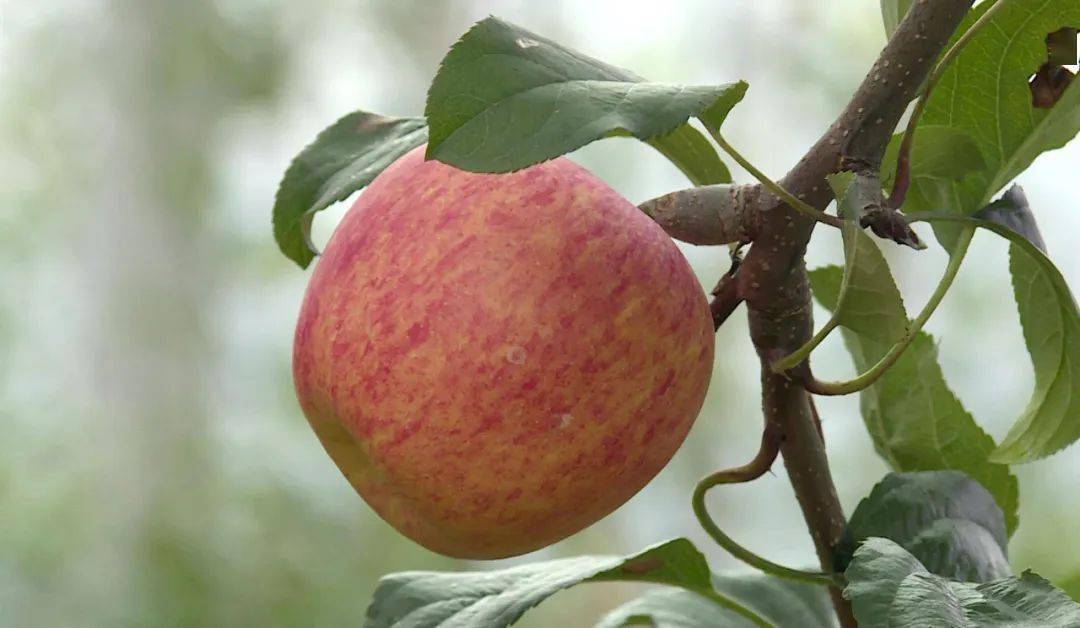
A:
(505, 98)
(960, 549)
(914, 419)
(1051, 322)
(1026, 598)
(874, 577)
(1013, 212)
(782, 602)
(924, 600)
(985, 93)
(417, 599)
(861, 257)
(671, 608)
(937, 152)
(892, 12)
(950, 522)
(1048, 314)
(888, 587)
(345, 157)
(692, 154)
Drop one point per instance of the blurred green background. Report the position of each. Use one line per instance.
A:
(155, 469)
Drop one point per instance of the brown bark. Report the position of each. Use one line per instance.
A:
(773, 278)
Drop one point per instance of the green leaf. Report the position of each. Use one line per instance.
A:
(862, 265)
(505, 98)
(914, 419)
(417, 599)
(874, 576)
(343, 158)
(1013, 212)
(782, 602)
(888, 587)
(937, 152)
(960, 549)
(985, 93)
(950, 522)
(692, 154)
(892, 12)
(1051, 322)
(1051, 325)
(671, 608)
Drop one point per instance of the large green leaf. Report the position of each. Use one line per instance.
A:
(914, 419)
(947, 520)
(505, 98)
(1051, 322)
(985, 94)
(418, 599)
(343, 158)
(888, 588)
(782, 602)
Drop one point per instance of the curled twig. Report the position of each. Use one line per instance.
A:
(771, 438)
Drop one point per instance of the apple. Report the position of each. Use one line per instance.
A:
(497, 361)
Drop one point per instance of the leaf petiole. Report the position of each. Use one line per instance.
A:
(774, 187)
(866, 379)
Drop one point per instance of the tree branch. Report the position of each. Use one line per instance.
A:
(711, 214)
(773, 277)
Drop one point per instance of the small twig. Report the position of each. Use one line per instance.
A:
(762, 462)
(902, 180)
(726, 293)
(774, 187)
(725, 300)
(706, 215)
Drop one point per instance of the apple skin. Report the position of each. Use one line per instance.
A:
(497, 361)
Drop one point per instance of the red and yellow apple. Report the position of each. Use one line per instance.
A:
(497, 361)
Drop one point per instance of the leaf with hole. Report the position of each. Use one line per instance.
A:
(985, 93)
(914, 419)
(889, 587)
(950, 522)
(505, 98)
(343, 158)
